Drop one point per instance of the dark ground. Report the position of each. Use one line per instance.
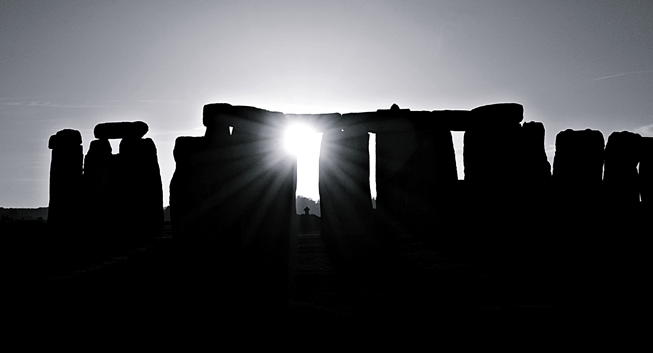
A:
(419, 295)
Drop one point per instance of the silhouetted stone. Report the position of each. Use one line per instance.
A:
(579, 156)
(64, 212)
(646, 174)
(415, 172)
(393, 150)
(578, 212)
(119, 130)
(534, 163)
(497, 115)
(142, 187)
(186, 192)
(233, 199)
(100, 203)
(622, 154)
(218, 117)
(345, 198)
(65, 138)
(492, 158)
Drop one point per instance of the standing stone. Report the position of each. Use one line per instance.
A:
(534, 163)
(491, 157)
(622, 154)
(393, 150)
(142, 187)
(646, 174)
(186, 194)
(415, 172)
(532, 210)
(579, 156)
(431, 175)
(345, 198)
(101, 204)
(233, 200)
(577, 176)
(64, 212)
(578, 214)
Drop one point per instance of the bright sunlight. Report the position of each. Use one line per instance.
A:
(304, 142)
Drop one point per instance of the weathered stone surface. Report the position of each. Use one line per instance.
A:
(119, 130)
(65, 206)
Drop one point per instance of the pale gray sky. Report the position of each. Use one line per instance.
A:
(73, 64)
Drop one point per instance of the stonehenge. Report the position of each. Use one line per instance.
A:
(111, 194)
(232, 195)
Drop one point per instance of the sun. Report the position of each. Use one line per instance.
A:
(304, 142)
(299, 139)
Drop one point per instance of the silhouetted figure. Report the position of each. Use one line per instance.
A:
(65, 209)
(306, 211)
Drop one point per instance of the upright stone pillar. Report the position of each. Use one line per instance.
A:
(65, 208)
(393, 150)
(491, 158)
(646, 174)
(578, 214)
(577, 177)
(533, 160)
(100, 194)
(233, 200)
(416, 173)
(531, 209)
(621, 179)
(143, 189)
(187, 209)
(345, 198)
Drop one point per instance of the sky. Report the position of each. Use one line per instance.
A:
(74, 64)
